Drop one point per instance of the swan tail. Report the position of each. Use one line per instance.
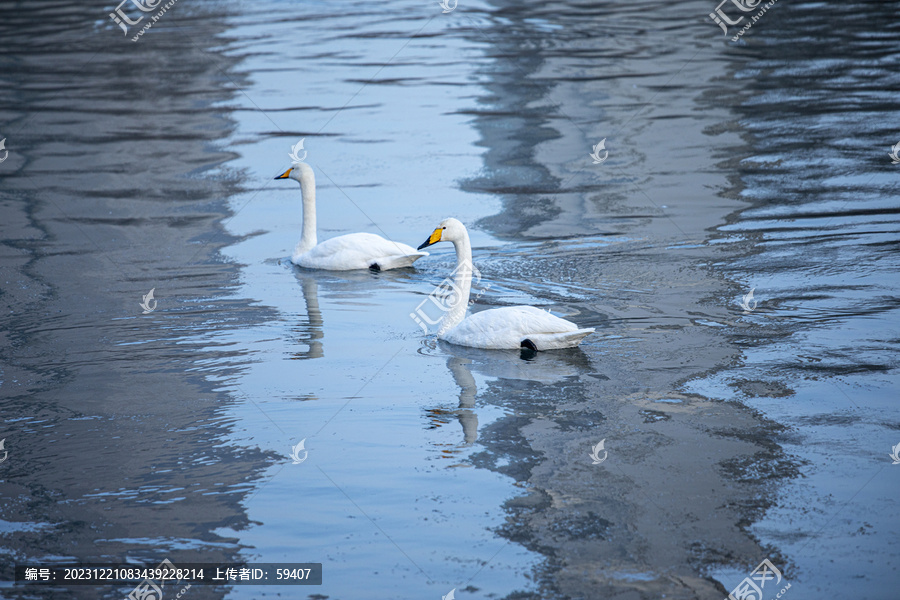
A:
(400, 260)
(563, 339)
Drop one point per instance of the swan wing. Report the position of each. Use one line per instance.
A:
(509, 326)
(358, 251)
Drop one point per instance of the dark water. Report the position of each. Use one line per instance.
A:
(732, 435)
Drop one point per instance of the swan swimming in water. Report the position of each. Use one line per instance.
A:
(344, 252)
(510, 327)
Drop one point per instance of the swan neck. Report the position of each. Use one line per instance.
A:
(462, 282)
(308, 237)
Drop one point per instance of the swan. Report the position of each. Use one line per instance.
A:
(510, 327)
(344, 252)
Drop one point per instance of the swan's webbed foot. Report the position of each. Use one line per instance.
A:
(528, 349)
(375, 267)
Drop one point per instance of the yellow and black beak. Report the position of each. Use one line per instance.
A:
(286, 174)
(434, 238)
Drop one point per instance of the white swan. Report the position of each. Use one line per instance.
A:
(497, 328)
(345, 252)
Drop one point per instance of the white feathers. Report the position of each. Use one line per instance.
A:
(356, 251)
(346, 252)
(511, 327)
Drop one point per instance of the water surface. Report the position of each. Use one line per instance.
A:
(732, 435)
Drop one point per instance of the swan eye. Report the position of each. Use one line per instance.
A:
(443, 228)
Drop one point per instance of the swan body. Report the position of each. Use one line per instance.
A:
(356, 251)
(510, 327)
(344, 252)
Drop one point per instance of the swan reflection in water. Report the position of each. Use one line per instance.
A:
(344, 286)
(544, 368)
(310, 333)
(467, 392)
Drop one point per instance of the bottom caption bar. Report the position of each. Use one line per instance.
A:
(167, 573)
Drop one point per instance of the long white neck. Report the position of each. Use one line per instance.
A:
(308, 190)
(462, 282)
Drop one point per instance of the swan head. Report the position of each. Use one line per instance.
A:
(450, 230)
(298, 172)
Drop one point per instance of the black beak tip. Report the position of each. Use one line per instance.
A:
(424, 244)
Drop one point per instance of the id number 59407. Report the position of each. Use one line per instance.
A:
(292, 573)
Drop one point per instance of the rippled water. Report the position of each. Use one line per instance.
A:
(732, 435)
